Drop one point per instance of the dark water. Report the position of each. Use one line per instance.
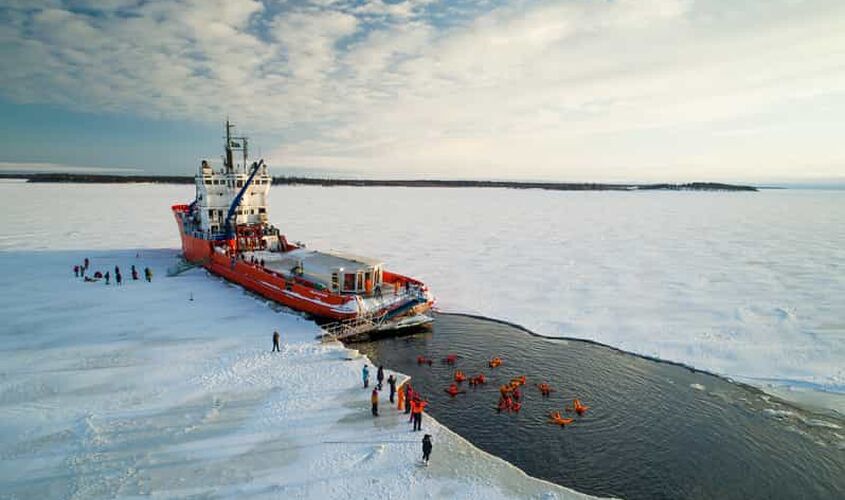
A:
(654, 430)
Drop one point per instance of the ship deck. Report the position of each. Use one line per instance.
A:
(284, 263)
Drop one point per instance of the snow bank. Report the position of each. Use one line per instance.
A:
(136, 390)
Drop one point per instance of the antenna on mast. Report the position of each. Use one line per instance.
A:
(228, 161)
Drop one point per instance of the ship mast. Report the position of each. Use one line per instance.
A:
(234, 144)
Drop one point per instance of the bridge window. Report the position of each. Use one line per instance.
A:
(349, 282)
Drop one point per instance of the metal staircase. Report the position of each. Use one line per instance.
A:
(351, 327)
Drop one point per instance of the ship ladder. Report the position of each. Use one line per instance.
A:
(346, 328)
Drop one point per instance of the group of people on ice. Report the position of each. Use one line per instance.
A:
(404, 396)
(81, 271)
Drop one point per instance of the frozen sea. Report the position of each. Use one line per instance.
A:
(747, 285)
(129, 391)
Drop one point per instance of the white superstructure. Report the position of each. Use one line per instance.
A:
(218, 188)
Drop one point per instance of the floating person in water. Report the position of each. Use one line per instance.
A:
(495, 362)
(422, 360)
(505, 403)
(477, 380)
(459, 376)
(580, 409)
(453, 390)
(556, 418)
(545, 389)
(426, 446)
(450, 359)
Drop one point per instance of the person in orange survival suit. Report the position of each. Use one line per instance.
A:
(417, 407)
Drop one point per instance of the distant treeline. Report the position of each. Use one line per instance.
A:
(311, 181)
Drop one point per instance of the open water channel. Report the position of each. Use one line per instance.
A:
(653, 430)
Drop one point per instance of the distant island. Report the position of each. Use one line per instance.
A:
(312, 181)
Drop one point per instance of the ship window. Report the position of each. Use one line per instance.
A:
(211, 213)
(208, 182)
(335, 280)
(262, 210)
(349, 282)
(240, 183)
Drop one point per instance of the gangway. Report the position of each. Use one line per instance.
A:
(346, 328)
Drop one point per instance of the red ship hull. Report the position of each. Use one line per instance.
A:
(269, 284)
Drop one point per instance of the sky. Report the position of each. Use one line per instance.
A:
(575, 90)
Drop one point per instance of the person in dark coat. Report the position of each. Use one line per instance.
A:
(85, 264)
(380, 376)
(391, 381)
(365, 376)
(118, 279)
(107, 277)
(426, 442)
(76, 271)
(276, 338)
(148, 273)
(134, 273)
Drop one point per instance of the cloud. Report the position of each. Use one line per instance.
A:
(589, 89)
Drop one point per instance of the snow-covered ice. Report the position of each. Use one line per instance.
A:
(748, 285)
(134, 390)
(126, 391)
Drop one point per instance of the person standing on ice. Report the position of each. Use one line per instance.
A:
(391, 381)
(85, 264)
(118, 279)
(417, 411)
(106, 276)
(148, 273)
(409, 394)
(380, 376)
(365, 374)
(426, 442)
(76, 271)
(134, 273)
(276, 338)
(374, 401)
